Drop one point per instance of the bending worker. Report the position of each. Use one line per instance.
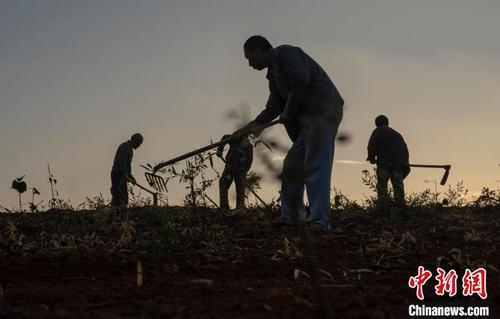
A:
(310, 107)
(121, 173)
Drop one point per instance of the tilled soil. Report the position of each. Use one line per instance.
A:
(244, 268)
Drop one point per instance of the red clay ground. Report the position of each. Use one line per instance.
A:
(208, 265)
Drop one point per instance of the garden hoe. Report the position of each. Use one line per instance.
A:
(446, 170)
(159, 184)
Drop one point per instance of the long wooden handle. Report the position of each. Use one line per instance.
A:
(144, 188)
(188, 155)
(431, 166)
(204, 149)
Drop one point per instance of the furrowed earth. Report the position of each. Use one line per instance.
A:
(202, 263)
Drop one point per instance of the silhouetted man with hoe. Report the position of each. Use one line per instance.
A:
(121, 173)
(388, 150)
(310, 107)
(238, 162)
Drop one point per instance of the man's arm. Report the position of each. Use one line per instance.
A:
(298, 72)
(406, 152)
(372, 147)
(220, 150)
(131, 178)
(271, 111)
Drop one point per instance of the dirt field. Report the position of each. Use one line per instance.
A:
(204, 264)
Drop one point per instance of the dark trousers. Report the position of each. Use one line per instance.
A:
(119, 191)
(228, 176)
(396, 174)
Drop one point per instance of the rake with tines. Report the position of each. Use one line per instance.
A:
(159, 184)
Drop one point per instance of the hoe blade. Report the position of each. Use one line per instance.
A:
(446, 174)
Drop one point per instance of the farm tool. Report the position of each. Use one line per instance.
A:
(159, 184)
(154, 194)
(156, 181)
(445, 167)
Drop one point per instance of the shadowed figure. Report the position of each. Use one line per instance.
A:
(121, 173)
(238, 162)
(310, 107)
(388, 150)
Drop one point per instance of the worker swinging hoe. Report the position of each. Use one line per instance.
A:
(446, 168)
(389, 151)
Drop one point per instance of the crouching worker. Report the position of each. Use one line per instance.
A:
(388, 150)
(238, 162)
(121, 173)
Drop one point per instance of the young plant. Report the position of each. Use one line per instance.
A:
(342, 202)
(456, 196)
(194, 174)
(252, 184)
(94, 203)
(33, 206)
(369, 180)
(435, 194)
(20, 186)
(54, 201)
(488, 197)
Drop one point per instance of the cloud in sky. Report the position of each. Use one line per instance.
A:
(351, 162)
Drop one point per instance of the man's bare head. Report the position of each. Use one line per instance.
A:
(136, 140)
(381, 120)
(257, 51)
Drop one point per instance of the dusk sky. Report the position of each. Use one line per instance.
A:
(77, 78)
